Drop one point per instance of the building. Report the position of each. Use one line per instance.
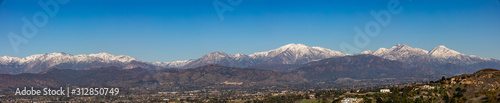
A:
(385, 90)
(351, 100)
(427, 87)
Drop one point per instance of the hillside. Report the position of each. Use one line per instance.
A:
(217, 75)
(358, 67)
(481, 87)
(209, 76)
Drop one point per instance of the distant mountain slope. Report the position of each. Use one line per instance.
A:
(358, 67)
(109, 76)
(210, 75)
(481, 86)
(27, 80)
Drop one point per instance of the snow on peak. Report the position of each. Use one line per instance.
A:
(217, 54)
(102, 55)
(174, 64)
(109, 57)
(240, 55)
(380, 51)
(7, 59)
(61, 57)
(442, 52)
(298, 50)
(60, 54)
(401, 45)
(293, 46)
(405, 48)
(399, 51)
(367, 52)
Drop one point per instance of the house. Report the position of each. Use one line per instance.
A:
(427, 87)
(385, 90)
(351, 100)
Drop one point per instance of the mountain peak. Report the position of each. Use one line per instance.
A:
(367, 52)
(239, 55)
(216, 54)
(111, 57)
(443, 52)
(401, 46)
(441, 46)
(294, 46)
(399, 51)
(296, 53)
(60, 53)
(404, 47)
(104, 53)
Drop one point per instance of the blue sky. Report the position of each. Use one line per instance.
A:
(170, 30)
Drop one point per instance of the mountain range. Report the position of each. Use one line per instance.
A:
(43, 62)
(289, 65)
(286, 58)
(288, 54)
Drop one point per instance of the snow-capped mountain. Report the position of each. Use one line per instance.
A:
(288, 54)
(174, 64)
(67, 58)
(41, 62)
(300, 54)
(400, 51)
(443, 52)
(296, 54)
(221, 58)
(417, 56)
(403, 53)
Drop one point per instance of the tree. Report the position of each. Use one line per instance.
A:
(365, 99)
(491, 98)
(443, 80)
(379, 100)
(336, 101)
(368, 100)
(324, 100)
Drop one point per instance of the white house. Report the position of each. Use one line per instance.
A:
(427, 87)
(351, 100)
(385, 90)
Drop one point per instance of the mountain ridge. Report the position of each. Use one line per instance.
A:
(290, 54)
